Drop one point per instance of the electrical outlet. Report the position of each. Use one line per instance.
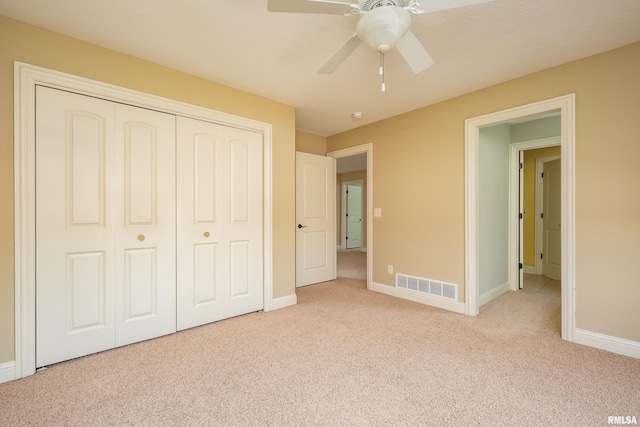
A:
(389, 269)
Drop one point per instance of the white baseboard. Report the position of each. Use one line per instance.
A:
(455, 306)
(607, 342)
(493, 293)
(7, 372)
(282, 302)
(530, 269)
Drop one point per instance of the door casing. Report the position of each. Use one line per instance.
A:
(515, 235)
(566, 106)
(368, 149)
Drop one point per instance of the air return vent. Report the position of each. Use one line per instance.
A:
(436, 288)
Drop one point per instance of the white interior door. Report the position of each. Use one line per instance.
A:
(200, 224)
(244, 227)
(551, 240)
(354, 216)
(75, 227)
(521, 219)
(145, 224)
(315, 219)
(220, 271)
(105, 225)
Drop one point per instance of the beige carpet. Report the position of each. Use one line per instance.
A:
(343, 356)
(352, 264)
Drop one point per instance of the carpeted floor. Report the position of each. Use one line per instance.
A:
(343, 356)
(352, 264)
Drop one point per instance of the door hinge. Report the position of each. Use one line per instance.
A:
(541, 256)
(520, 215)
(542, 215)
(520, 266)
(521, 166)
(541, 174)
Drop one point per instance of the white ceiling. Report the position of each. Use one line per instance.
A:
(277, 55)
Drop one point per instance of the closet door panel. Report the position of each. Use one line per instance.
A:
(145, 244)
(244, 221)
(75, 186)
(201, 252)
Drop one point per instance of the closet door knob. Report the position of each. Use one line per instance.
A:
(206, 234)
(141, 237)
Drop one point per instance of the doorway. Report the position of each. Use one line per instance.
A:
(354, 168)
(565, 105)
(351, 213)
(533, 244)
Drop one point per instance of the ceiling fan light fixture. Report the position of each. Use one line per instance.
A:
(383, 27)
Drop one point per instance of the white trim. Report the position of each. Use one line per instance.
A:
(608, 343)
(26, 78)
(455, 306)
(539, 237)
(282, 302)
(7, 372)
(493, 293)
(528, 269)
(351, 151)
(566, 105)
(515, 242)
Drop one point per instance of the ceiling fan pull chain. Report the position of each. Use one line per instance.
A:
(382, 70)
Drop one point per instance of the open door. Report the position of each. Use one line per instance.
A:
(315, 219)
(354, 216)
(551, 211)
(521, 220)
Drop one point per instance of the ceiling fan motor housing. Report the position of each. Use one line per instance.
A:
(367, 5)
(384, 25)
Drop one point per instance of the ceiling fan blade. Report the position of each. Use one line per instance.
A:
(311, 6)
(414, 53)
(340, 56)
(434, 5)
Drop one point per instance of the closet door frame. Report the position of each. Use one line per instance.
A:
(27, 77)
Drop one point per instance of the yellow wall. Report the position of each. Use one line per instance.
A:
(419, 183)
(529, 218)
(20, 42)
(311, 143)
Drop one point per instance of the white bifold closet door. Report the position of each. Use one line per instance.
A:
(220, 222)
(105, 225)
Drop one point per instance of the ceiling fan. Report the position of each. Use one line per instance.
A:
(383, 25)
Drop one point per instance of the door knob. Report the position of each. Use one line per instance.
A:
(141, 237)
(206, 234)
(301, 226)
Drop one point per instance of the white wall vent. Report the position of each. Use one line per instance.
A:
(436, 288)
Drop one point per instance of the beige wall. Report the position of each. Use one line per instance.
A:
(419, 183)
(20, 42)
(311, 143)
